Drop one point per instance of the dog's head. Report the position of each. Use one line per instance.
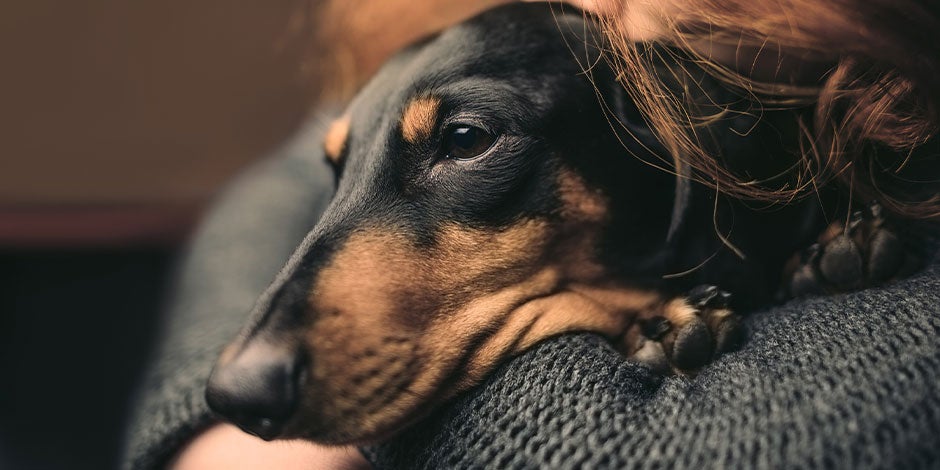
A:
(478, 178)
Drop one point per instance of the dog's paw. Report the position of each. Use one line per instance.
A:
(687, 333)
(862, 253)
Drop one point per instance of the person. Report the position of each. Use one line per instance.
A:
(792, 385)
(868, 68)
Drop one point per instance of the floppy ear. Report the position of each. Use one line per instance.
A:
(681, 202)
(629, 123)
(625, 117)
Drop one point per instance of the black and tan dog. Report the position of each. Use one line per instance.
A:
(496, 188)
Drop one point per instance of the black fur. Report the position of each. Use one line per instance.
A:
(519, 73)
(532, 76)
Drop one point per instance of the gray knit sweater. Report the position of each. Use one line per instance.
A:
(849, 381)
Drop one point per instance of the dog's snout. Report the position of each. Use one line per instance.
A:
(257, 388)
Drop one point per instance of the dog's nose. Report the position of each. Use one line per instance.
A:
(257, 388)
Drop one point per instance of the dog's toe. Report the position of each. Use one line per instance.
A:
(804, 279)
(886, 255)
(861, 253)
(841, 263)
(693, 345)
(729, 333)
(651, 354)
(688, 333)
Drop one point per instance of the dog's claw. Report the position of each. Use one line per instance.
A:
(707, 296)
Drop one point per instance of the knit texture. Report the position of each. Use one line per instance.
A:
(846, 381)
(243, 243)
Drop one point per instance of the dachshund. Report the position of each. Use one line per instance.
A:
(496, 187)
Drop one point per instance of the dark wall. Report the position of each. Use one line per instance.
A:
(75, 328)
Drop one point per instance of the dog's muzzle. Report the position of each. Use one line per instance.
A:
(257, 388)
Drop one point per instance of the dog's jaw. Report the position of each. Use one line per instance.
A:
(395, 328)
(394, 311)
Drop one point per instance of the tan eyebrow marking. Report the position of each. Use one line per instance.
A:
(335, 138)
(417, 122)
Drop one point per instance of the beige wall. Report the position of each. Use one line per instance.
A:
(119, 119)
(139, 102)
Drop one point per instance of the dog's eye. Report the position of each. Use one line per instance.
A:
(463, 142)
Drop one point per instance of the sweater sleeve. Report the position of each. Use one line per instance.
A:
(245, 240)
(846, 381)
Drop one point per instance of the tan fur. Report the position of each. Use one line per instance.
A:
(382, 294)
(419, 118)
(679, 312)
(832, 231)
(580, 202)
(584, 212)
(394, 327)
(715, 318)
(335, 139)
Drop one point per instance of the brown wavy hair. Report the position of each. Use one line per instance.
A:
(875, 101)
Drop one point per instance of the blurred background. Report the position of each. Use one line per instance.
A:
(119, 121)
